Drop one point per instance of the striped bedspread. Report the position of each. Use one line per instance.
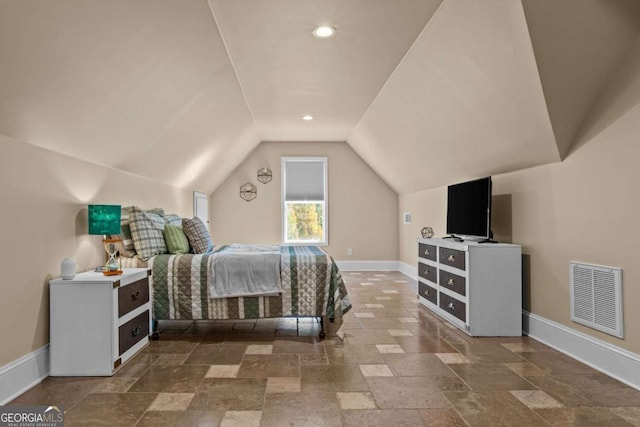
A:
(311, 286)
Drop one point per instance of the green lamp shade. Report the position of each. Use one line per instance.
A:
(104, 219)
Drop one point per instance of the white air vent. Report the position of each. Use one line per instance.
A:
(596, 297)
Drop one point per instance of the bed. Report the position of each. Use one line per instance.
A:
(193, 279)
(310, 286)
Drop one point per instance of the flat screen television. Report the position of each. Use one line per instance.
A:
(469, 209)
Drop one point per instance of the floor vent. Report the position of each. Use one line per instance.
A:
(596, 297)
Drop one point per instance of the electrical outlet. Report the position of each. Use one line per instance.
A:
(349, 251)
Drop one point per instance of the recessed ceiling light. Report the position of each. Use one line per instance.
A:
(323, 31)
(307, 117)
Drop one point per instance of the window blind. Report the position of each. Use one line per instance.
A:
(304, 180)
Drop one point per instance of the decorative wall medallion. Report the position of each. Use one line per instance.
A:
(248, 192)
(265, 175)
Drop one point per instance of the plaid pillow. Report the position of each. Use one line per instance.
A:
(198, 235)
(127, 249)
(126, 212)
(146, 232)
(156, 211)
(173, 219)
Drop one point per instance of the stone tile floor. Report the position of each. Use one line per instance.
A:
(398, 365)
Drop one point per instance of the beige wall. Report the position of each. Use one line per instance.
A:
(44, 198)
(584, 209)
(428, 209)
(362, 207)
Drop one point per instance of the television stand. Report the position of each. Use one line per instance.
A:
(477, 288)
(488, 241)
(455, 238)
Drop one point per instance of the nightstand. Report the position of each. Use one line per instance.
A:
(98, 322)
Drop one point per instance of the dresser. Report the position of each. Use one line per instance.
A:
(475, 286)
(98, 322)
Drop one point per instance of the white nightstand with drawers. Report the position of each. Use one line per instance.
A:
(98, 322)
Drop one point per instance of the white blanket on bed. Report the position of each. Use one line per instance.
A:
(244, 270)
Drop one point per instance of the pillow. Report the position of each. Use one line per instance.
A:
(198, 235)
(175, 239)
(146, 232)
(127, 249)
(126, 212)
(173, 219)
(156, 211)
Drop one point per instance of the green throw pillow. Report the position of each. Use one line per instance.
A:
(176, 240)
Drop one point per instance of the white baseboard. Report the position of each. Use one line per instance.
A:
(614, 361)
(367, 265)
(22, 374)
(408, 270)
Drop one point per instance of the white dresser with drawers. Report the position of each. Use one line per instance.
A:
(475, 286)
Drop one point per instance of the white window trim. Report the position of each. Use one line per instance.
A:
(283, 216)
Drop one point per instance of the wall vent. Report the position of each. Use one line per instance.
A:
(596, 297)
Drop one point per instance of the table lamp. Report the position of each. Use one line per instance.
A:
(105, 220)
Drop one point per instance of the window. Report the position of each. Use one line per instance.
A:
(304, 196)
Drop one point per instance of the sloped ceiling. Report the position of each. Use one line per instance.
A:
(143, 86)
(428, 92)
(286, 72)
(578, 45)
(465, 102)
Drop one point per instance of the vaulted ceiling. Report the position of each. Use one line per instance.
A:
(428, 92)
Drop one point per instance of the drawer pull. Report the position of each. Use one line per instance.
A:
(426, 252)
(451, 306)
(451, 282)
(135, 295)
(426, 271)
(451, 258)
(135, 332)
(426, 293)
